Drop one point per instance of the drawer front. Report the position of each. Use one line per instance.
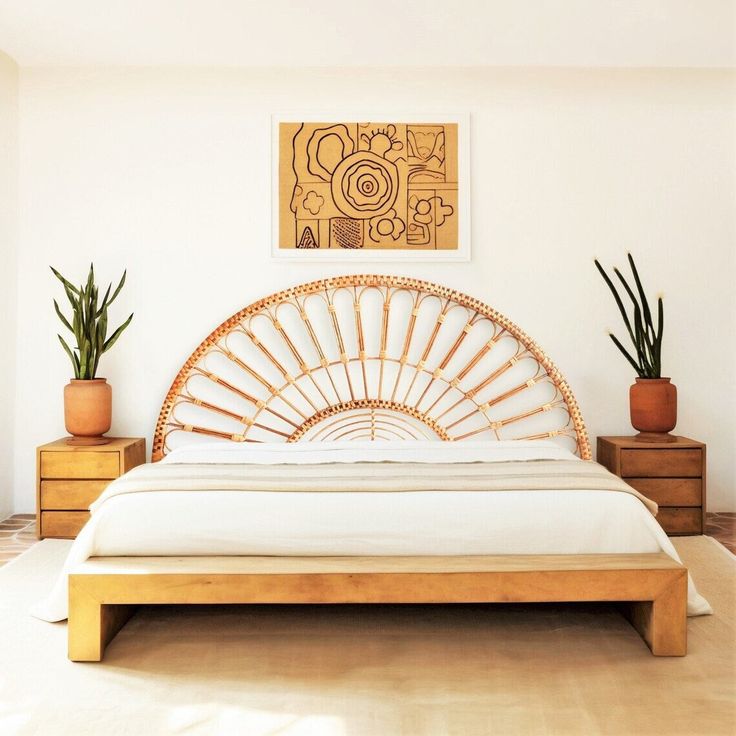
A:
(70, 494)
(679, 520)
(80, 464)
(62, 523)
(670, 491)
(661, 463)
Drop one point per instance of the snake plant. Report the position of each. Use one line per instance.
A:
(647, 341)
(88, 323)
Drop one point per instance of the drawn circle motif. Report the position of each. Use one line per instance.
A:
(365, 185)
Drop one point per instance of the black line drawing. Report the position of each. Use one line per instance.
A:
(307, 239)
(346, 232)
(380, 185)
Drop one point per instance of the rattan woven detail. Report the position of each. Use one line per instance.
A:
(377, 378)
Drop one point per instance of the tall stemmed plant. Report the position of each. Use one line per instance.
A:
(88, 323)
(646, 339)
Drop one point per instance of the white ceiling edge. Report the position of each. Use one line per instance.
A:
(381, 33)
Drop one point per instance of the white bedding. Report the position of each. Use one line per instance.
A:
(420, 451)
(182, 523)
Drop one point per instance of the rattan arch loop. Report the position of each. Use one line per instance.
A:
(352, 358)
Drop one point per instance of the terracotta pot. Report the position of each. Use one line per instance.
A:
(653, 405)
(87, 411)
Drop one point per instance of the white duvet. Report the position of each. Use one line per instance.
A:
(214, 522)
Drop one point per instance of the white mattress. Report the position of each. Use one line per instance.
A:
(185, 523)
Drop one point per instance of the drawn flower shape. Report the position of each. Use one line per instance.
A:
(422, 209)
(386, 225)
(442, 211)
(365, 185)
(313, 202)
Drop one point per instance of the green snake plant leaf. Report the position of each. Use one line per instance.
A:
(644, 303)
(102, 330)
(115, 335)
(77, 326)
(100, 335)
(617, 299)
(643, 348)
(626, 355)
(63, 319)
(84, 368)
(83, 311)
(104, 304)
(639, 344)
(89, 322)
(93, 302)
(73, 300)
(660, 332)
(640, 341)
(646, 340)
(67, 285)
(118, 288)
(72, 356)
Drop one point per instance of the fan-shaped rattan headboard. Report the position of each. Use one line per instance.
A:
(368, 357)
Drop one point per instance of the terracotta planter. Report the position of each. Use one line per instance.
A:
(653, 405)
(87, 411)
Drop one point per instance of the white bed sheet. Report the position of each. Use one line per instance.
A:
(366, 451)
(171, 523)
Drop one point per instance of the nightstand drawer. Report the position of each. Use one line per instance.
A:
(661, 463)
(70, 494)
(80, 465)
(62, 523)
(71, 477)
(670, 491)
(679, 520)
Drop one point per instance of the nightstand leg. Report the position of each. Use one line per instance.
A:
(92, 625)
(662, 622)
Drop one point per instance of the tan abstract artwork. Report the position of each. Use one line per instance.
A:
(370, 186)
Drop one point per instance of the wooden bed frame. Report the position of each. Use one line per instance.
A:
(372, 357)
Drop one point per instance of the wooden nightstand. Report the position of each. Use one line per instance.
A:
(70, 478)
(670, 473)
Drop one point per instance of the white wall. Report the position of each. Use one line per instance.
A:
(8, 269)
(166, 172)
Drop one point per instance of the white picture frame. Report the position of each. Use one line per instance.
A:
(375, 255)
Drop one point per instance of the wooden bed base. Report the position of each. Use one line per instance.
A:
(104, 591)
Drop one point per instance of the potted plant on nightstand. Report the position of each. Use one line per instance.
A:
(652, 398)
(88, 399)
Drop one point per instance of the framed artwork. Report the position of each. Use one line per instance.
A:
(345, 189)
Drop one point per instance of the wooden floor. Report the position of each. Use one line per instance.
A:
(18, 533)
(723, 528)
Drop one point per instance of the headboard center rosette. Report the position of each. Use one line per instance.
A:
(368, 357)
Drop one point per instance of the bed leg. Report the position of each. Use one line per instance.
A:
(92, 625)
(662, 622)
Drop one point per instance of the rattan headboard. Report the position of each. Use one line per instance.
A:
(368, 357)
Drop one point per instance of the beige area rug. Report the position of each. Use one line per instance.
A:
(380, 671)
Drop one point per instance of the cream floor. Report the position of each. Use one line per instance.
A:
(378, 671)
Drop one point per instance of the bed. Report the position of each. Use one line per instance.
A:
(370, 439)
